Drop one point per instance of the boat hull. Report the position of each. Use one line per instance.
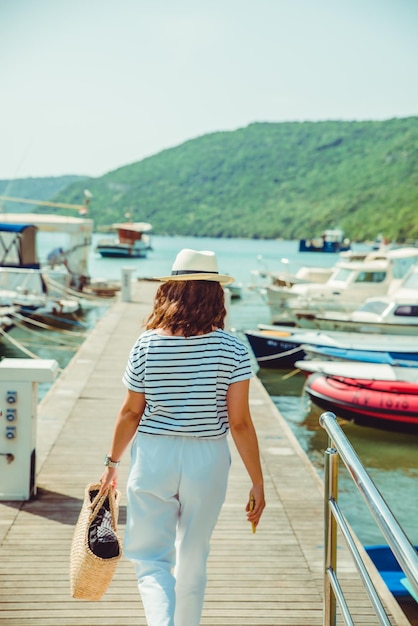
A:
(274, 350)
(310, 320)
(329, 353)
(389, 569)
(391, 405)
(121, 252)
(282, 347)
(312, 245)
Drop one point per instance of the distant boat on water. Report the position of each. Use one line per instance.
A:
(132, 241)
(331, 240)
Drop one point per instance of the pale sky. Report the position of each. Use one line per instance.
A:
(88, 86)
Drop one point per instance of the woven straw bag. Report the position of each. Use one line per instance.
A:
(90, 575)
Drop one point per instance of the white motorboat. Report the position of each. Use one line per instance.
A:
(350, 284)
(22, 284)
(395, 315)
(66, 264)
(65, 268)
(289, 274)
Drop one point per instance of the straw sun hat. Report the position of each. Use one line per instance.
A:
(196, 265)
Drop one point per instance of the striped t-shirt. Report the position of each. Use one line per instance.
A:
(185, 381)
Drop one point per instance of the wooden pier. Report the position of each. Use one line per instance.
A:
(271, 578)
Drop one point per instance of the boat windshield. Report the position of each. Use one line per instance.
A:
(402, 265)
(346, 275)
(341, 275)
(370, 277)
(411, 282)
(374, 306)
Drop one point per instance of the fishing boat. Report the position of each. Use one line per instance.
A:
(331, 240)
(132, 241)
(387, 404)
(280, 346)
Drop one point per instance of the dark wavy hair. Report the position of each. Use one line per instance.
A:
(188, 307)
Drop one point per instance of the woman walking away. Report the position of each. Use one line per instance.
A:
(187, 385)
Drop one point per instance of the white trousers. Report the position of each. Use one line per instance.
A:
(176, 488)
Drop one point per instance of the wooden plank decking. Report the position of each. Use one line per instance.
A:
(271, 578)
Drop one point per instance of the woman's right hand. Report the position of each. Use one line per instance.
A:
(256, 504)
(109, 478)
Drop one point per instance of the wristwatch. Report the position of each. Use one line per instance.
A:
(109, 463)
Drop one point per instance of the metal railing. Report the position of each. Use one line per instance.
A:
(403, 550)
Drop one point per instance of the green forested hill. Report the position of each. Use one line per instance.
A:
(272, 180)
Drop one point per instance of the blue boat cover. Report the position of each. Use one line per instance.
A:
(389, 569)
(14, 228)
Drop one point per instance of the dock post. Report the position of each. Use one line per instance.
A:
(126, 283)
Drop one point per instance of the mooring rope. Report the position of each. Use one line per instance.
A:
(31, 331)
(291, 374)
(279, 355)
(18, 345)
(81, 295)
(29, 320)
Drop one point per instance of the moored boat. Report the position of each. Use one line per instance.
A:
(132, 241)
(383, 356)
(66, 265)
(395, 316)
(388, 567)
(22, 284)
(281, 346)
(275, 348)
(363, 370)
(7, 317)
(235, 290)
(387, 404)
(350, 284)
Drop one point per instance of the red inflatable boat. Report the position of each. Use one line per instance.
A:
(389, 404)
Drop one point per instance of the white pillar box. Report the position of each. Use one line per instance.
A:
(19, 380)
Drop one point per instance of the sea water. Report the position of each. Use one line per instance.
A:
(390, 458)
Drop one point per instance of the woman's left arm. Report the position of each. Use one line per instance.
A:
(126, 425)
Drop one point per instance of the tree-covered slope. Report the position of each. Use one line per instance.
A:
(272, 180)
